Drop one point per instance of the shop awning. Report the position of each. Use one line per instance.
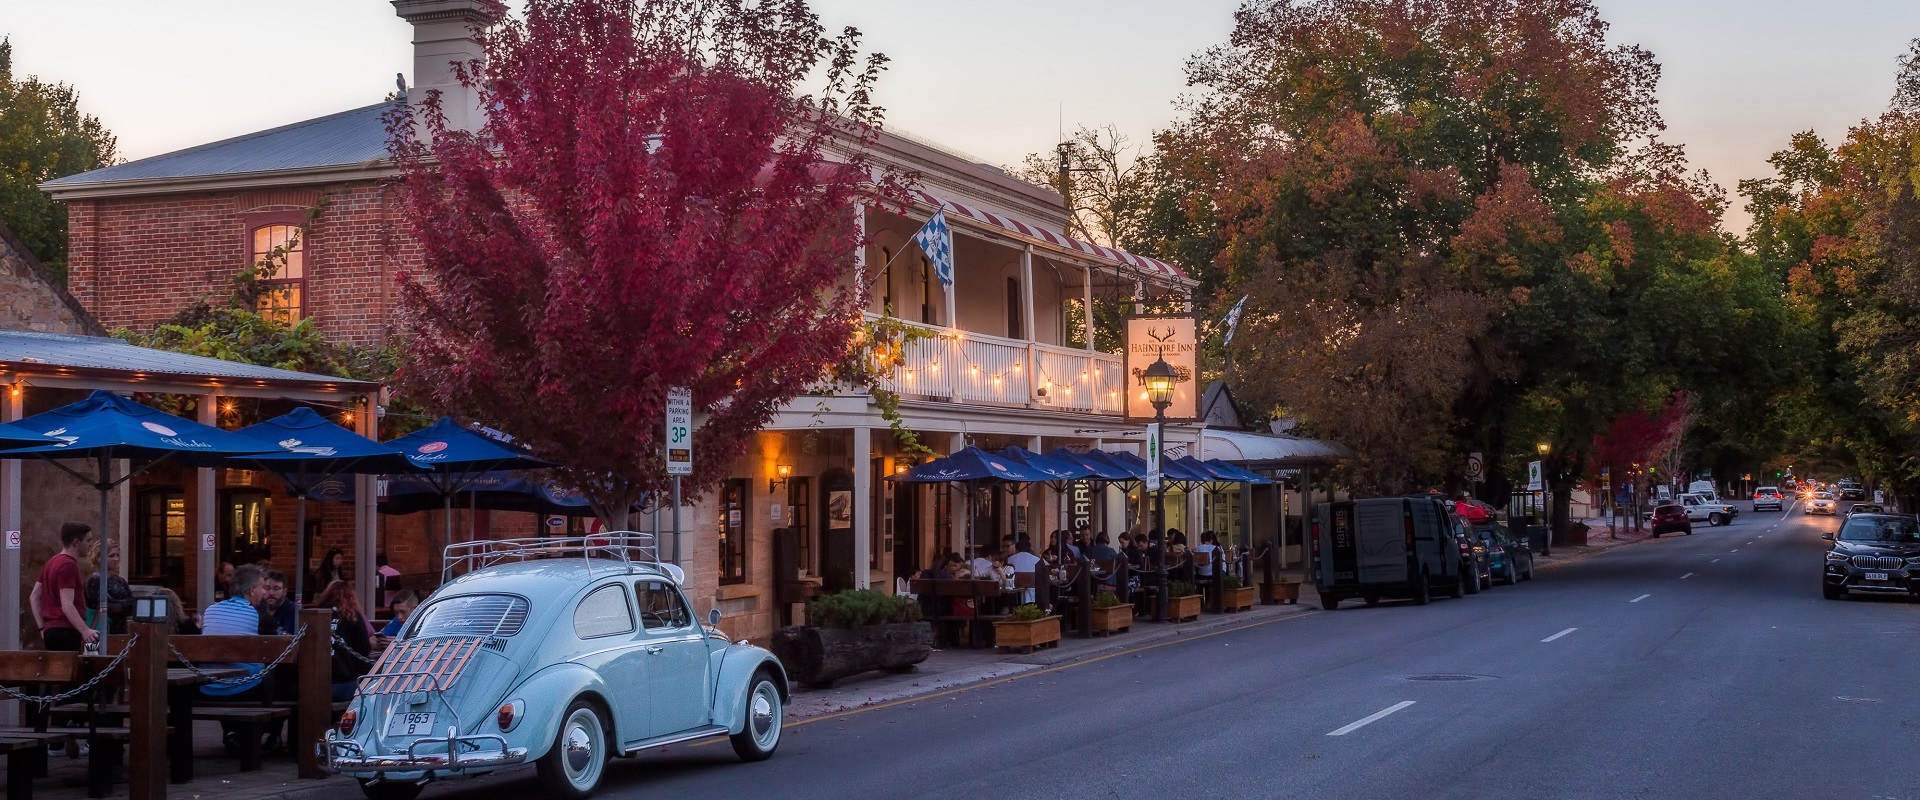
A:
(1047, 235)
(1271, 452)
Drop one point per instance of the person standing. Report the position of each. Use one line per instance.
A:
(119, 594)
(55, 599)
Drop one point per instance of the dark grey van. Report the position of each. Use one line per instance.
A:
(1385, 547)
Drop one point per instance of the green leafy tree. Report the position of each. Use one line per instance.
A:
(43, 136)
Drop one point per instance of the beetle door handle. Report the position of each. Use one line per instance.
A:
(653, 651)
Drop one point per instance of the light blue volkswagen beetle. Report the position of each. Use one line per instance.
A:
(562, 652)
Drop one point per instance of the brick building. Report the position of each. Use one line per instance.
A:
(152, 235)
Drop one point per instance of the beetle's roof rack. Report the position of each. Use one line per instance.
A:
(622, 550)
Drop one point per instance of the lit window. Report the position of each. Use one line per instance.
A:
(282, 293)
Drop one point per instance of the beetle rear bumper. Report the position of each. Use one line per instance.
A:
(463, 753)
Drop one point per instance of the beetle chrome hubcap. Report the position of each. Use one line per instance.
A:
(764, 715)
(582, 747)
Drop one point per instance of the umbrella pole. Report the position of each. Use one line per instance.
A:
(300, 535)
(106, 510)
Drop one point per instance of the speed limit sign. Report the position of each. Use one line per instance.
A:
(679, 431)
(1476, 468)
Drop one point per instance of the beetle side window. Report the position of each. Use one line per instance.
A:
(661, 607)
(604, 612)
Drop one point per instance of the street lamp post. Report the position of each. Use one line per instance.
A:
(1546, 499)
(1159, 379)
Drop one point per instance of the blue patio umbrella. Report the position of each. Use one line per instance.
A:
(453, 456)
(309, 449)
(105, 427)
(1170, 469)
(13, 436)
(971, 467)
(1060, 474)
(1236, 473)
(1104, 469)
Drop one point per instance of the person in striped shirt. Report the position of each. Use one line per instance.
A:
(239, 615)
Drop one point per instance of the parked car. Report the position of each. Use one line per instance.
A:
(1474, 559)
(560, 652)
(1768, 497)
(1511, 556)
(1866, 508)
(1385, 547)
(1671, 518)
(1822, 503)
(1877, 553)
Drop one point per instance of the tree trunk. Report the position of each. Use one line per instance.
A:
(820, 656)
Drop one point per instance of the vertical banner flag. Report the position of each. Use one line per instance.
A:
(1534, 484)
(1153, 457)
(1233, 317)
(936, 240)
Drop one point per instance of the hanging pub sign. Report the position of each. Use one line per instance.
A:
(1174, 338)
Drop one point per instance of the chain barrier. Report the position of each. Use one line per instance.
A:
(340, 645)
(244, 679)
(83, 688)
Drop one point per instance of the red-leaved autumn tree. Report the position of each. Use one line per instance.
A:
(652, 202)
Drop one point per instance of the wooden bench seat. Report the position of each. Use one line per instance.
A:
(26, 760)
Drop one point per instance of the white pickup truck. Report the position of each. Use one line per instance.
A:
(1702, 508)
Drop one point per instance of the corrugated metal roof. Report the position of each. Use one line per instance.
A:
(31, 352)
(346, 138)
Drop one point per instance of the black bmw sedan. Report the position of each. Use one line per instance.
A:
(1876, 553)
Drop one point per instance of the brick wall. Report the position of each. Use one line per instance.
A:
(135, 262)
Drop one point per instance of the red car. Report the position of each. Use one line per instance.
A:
(1671, 518)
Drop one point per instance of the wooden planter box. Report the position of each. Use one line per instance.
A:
(819, 656)
(1240, 599)
(1276, 593)
(1011, 634)
(1184, 608)
(1112, 620)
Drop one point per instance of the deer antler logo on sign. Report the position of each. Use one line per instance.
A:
(1159, 334)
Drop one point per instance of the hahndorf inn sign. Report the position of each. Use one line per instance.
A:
(1172, 337)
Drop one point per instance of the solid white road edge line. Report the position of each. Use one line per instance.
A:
(1371, 718)
(1558, 635)
(1640, 598)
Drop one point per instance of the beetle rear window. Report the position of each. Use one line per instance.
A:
(472, 615)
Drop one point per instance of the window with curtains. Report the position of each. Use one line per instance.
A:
(283, 293)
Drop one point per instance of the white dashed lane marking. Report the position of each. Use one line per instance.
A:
(1370, 718)
(1686, 576)
(1558, 635)
(1640, 598)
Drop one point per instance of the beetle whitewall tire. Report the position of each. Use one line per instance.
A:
(572, 768)
(765, 713)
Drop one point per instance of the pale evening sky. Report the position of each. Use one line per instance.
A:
(990, 78)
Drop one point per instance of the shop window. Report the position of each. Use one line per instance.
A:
(282, 296)
(160, 538)
(245, 529)
(733, 531)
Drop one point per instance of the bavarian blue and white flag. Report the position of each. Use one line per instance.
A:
(936, 240)
(1233, 317)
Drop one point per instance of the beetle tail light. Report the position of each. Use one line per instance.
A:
(506, 716)
(347, 721)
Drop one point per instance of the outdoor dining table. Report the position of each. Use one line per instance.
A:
(183, 687)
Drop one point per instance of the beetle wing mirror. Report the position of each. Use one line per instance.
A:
(713, 618)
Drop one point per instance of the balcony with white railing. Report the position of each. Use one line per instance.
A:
(977, 369)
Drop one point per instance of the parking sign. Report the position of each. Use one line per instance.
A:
(679, 431)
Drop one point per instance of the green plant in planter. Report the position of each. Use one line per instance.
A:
(1027, 613)
(1230, 581)
(860, 607)
(1179, 588)
(1106, 599)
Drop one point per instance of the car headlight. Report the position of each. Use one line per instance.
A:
(1835, 555)
(1914, 562)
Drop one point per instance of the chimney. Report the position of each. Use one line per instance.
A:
(444, 33)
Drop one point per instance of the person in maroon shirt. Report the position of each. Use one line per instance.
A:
(56, 600)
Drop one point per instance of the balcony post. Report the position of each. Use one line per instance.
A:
(1026, 315)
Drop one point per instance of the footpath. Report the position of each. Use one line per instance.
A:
(218, 777)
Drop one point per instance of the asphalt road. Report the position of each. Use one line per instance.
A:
(1700, 666)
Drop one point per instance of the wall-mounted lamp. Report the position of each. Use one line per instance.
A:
(901, 467)
(780, 475)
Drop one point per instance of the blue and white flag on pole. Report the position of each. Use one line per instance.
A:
(1233, 317)
(936, 240)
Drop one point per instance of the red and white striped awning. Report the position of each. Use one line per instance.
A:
(1050, 236)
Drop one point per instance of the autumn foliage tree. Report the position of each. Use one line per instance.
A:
(649, 204)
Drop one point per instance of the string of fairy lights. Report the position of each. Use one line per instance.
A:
(1090, 379)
